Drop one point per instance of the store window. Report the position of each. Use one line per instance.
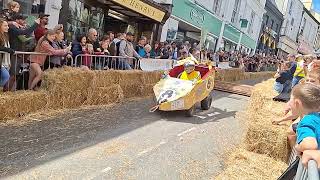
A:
(83, 16)
(235, 11)
(216, 6)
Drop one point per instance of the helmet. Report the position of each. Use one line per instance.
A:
(189, 64)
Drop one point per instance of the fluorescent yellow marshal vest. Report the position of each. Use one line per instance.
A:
(192, 76)
(299, 70)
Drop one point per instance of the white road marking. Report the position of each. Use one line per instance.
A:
(103, 171)
(213, 114)
(186, 131)
(151, 148)
(201, 117)
(106, 170)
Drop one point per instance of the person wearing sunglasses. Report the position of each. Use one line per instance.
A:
(42, 29)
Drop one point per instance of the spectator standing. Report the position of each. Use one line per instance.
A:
(156, 50)
(283, 78)
(126, 50)
(300, 72)
(79, 46)
(44, 46)
(14, 7)
(5, 57)
(111, 35)
(58, 44)
(174, 53)
(140, 47)
(92, 38)
(149, 52)
(16, 44)
(113, 46)
(42, 28)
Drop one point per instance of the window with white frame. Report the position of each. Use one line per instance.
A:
(216, 6)
(235, 11)
(251, 22)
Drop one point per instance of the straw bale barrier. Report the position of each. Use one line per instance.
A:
(17, 104)
(263, 137)
(237, 74)
(243, 164)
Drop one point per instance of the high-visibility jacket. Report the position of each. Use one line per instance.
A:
(300, 70)
(195, 75)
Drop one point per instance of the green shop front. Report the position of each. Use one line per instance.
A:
(231, 38)
(189, 20)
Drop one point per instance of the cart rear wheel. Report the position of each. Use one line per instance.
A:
(206, 103)
(191, 111)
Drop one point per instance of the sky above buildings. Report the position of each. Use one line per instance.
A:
(316, 5)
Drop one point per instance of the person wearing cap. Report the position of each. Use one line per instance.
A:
(301, 70)
(41, 30)
(189, 72)
(16, 44)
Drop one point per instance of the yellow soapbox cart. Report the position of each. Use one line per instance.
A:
(174, 94)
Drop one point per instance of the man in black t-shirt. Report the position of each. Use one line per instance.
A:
(283, 78)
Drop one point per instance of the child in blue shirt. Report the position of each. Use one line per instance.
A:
(305, 102)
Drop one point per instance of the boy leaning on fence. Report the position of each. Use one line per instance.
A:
(305, 102)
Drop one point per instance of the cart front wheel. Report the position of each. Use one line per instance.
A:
(206, 103)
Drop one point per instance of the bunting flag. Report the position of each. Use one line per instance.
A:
(316, 6)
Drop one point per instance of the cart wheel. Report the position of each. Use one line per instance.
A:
(191, 111)
(206, 103)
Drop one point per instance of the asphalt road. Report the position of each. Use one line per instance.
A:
(123, 142)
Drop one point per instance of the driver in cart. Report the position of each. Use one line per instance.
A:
(190, 73)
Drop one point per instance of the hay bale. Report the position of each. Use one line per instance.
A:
(106, 78)
(263, 137)
(152, 77)
(20, 103)
(131, 77)
(269, 140)
(68, 87)
(230, 75)
(105, 95)
(242, 164)
(256, 75)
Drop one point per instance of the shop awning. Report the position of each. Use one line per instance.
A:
(139, 9)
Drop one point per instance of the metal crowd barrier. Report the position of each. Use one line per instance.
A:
(309, 173)
(19, 67)
(100, 62)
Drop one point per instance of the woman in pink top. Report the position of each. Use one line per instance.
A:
(44, 46)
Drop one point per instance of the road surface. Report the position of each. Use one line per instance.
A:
(123, 142)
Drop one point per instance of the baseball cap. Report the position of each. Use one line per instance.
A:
(43, 15)
(129, 34)
(19, 16)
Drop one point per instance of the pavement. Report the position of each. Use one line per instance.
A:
(124, 141)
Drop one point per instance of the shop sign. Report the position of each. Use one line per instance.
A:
(156, 64)
(197, 16)
(142, 8)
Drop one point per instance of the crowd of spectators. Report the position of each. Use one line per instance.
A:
(299, 77)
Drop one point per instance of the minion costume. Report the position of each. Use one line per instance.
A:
(189, 72)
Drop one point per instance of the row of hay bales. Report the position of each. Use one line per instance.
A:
(264, 152)
(236, 74)
(73, 87)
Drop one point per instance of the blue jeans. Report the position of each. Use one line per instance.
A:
(296, 80)
(282, 88)
(4, 76)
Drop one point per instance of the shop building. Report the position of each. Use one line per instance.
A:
(192, 19)
(292, 11)
(270, 29)
(308, 33)
(141, 17)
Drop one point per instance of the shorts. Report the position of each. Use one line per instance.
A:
(294, 127)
